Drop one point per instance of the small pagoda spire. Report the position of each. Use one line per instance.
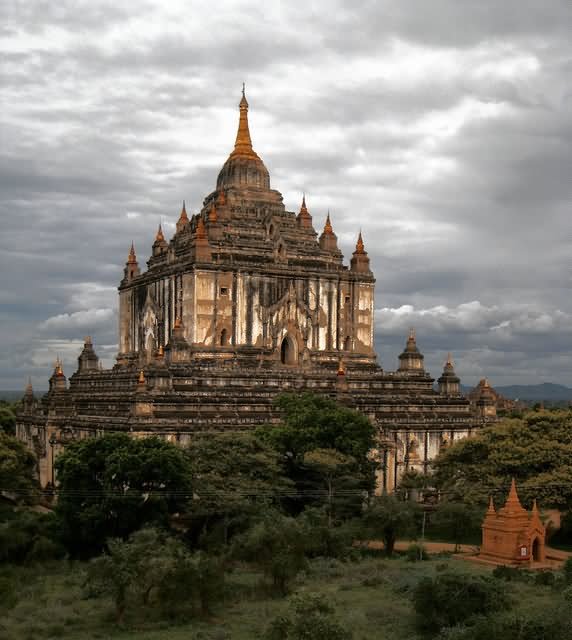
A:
(141, 378)
(213, 217)
(491, 510)
(159, 237)
(58, 368)
(132, 258)
(328, 226)
(183, 220)
(201, 229)
(341, 368)
(360, 249)
(29, 391)
(243, 144)
(304, 217)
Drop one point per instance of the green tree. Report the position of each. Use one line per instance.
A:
(277, 544)
(114, 485)
(390, 518)
(17, 470)
(334, 470)
(457, 521)
(8, 417)
(312, 423)
(234, 475)
(535, 450)
(310, 617)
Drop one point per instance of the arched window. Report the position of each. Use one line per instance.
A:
(347, 344)
(223, 338)
(288, 351)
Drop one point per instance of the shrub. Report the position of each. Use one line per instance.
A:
(278, 546)
(567, 571)
(450, 599)
(546, 578)
(416, 552)
(310, 616)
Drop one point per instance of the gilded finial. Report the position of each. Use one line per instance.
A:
(141, 379)
(243, 143)
(328, 226)
(159, 237)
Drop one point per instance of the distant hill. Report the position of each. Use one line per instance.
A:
(544, 392)
(13, 396)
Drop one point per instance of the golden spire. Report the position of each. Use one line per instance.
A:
(59, 371)
(159, 237)
(243, 144)
(141, 379)
(328, 225)
(132, 258)
(360, 249)
(201, 230)
(212, 213)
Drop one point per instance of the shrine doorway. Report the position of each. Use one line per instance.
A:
(288, 351)
(535, 551)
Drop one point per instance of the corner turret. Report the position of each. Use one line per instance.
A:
(411, 359)
(449, 382)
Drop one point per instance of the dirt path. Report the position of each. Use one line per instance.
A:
(431, 547)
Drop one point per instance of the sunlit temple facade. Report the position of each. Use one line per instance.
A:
(245, 301)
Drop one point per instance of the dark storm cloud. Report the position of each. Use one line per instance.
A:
(443, 129)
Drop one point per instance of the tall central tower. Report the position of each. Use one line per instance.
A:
(244, 278)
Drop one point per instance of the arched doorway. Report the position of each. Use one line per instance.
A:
(347, 344)
(224, 338)
(535, 550)
(288, 351)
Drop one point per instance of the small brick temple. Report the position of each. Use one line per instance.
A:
(512, 535)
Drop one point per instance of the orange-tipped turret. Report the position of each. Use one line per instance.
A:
(304, 218)
(183, 220)
(360, 260)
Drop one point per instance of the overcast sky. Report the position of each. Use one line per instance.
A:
(442, 128)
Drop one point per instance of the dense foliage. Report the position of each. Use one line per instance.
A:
(17, 469)
(309, 617)
(325, 450)
(234, 476)
(8, 417)
(536, 450)
(450, 599)
(113, 485)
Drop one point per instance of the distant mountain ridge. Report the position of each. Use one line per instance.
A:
(545, 391)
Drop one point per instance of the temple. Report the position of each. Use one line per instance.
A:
(512, 536)
(245, 301)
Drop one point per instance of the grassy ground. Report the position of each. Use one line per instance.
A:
(372, 597)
